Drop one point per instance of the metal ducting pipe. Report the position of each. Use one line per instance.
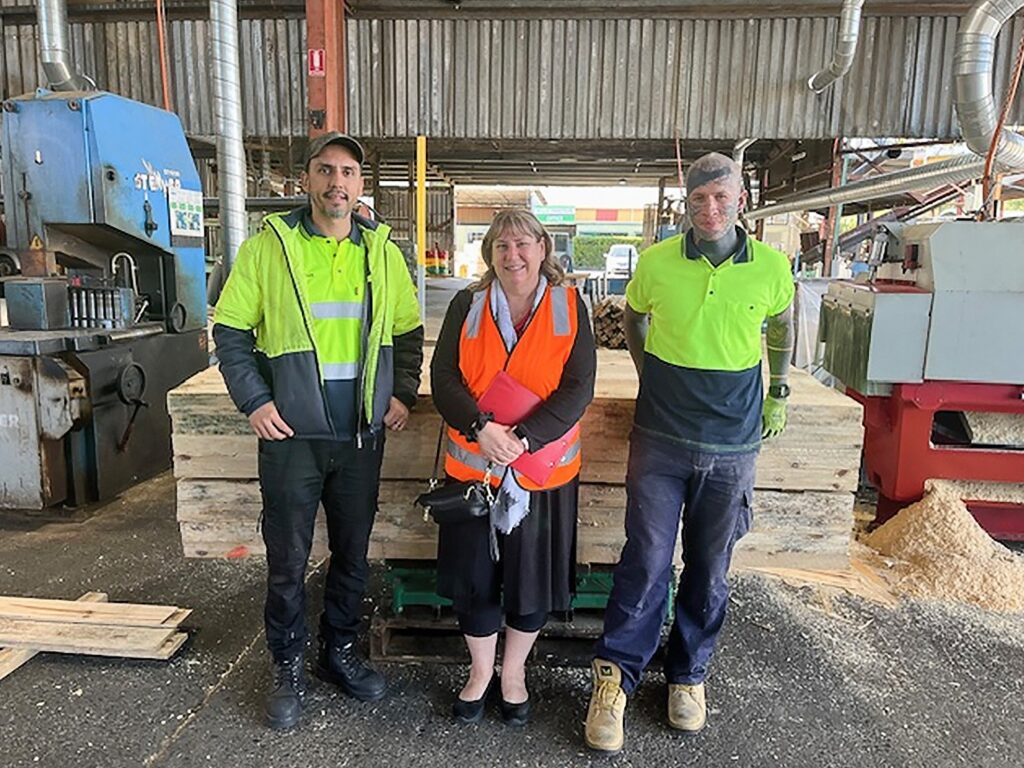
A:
(846, 47)
(972, 80)
(739, 150)
(55, 50)
(975, 109)
(231, 170)
(955, 171)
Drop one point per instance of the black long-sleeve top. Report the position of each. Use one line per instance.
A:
(563, 408)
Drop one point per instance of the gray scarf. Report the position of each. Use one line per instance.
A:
(513, 502)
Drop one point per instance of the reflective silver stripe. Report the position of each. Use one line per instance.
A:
(340, 371)
(560, 310)
(476, 313)
(571, 454)
(337, 310)
(479, 463)
(470, 459)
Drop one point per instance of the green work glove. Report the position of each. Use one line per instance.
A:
(773, 418)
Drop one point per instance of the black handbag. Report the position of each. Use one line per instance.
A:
(455, 501)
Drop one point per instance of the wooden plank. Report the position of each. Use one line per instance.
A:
(12, 658)
(169, 647)
(616, 379)
(813, 528)
(87, 639)
(74, 612)
(857, 580)
(820, 449)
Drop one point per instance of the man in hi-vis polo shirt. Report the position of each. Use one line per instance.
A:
(694, 312)
(320, 343)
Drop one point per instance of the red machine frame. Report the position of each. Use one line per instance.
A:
(899, 454)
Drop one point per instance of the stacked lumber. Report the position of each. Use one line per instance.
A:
(803, 505)
(90, 626)
(609, 326)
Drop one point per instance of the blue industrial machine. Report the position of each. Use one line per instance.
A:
(104, 214)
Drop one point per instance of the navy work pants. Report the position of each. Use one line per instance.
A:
(295, 477)
(711, 493)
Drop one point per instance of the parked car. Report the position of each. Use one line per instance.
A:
(620, 260)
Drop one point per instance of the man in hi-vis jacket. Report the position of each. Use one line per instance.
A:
(320, 343)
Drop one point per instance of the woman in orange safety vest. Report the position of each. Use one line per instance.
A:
(518, 319)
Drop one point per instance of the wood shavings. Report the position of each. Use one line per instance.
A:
(940, 552)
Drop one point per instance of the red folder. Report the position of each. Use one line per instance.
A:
(511, 402)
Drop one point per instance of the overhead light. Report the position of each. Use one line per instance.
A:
(622, 181)
(798, 156)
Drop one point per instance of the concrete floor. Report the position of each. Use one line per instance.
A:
(798, 681)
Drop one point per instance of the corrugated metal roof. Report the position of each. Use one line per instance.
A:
(122, 57)
(652, 78)
(545, 78)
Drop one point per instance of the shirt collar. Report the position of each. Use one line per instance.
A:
(692, 252)
(311, 229)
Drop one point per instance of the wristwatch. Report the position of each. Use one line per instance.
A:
(779, 391)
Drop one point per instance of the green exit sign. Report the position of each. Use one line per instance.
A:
(555, 214)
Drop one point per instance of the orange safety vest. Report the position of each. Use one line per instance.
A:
(536, 362)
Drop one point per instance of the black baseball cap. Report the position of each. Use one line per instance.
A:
(317, 144)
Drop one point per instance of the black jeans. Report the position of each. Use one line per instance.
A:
(295, 477)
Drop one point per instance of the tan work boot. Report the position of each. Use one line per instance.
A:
(604, 731)
(687, 710)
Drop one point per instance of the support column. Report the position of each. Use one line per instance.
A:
(326, 80)
(421, 222)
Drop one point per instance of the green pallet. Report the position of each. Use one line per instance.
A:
(416, 585)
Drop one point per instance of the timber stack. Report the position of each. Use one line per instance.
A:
(803, 502)
(609, 327)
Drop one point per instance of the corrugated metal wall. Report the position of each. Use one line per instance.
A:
(549, 78)
(393, 205)
(652, 78)
(122, 56)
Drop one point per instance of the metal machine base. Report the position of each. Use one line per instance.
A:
(900, 453)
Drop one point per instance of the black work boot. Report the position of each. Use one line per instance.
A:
(340, 665)
(284, 704)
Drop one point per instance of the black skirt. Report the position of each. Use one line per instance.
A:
(537, 569)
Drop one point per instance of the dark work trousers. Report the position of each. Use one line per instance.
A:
(713, 492)
(295, 477)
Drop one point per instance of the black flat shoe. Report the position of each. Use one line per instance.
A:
(516, 715)
(472, 712)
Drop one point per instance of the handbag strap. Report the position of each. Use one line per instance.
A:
(437, 457)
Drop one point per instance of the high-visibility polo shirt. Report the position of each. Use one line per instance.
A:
(701, 383)
(335, 282)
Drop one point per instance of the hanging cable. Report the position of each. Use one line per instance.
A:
(161, 37)
(987, 187)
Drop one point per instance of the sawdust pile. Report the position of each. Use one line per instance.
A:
(996, 428)
(941, 553)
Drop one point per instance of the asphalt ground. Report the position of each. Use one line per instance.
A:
(800, 678)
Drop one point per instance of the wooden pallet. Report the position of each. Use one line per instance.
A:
(425, 635)
(89, 626)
